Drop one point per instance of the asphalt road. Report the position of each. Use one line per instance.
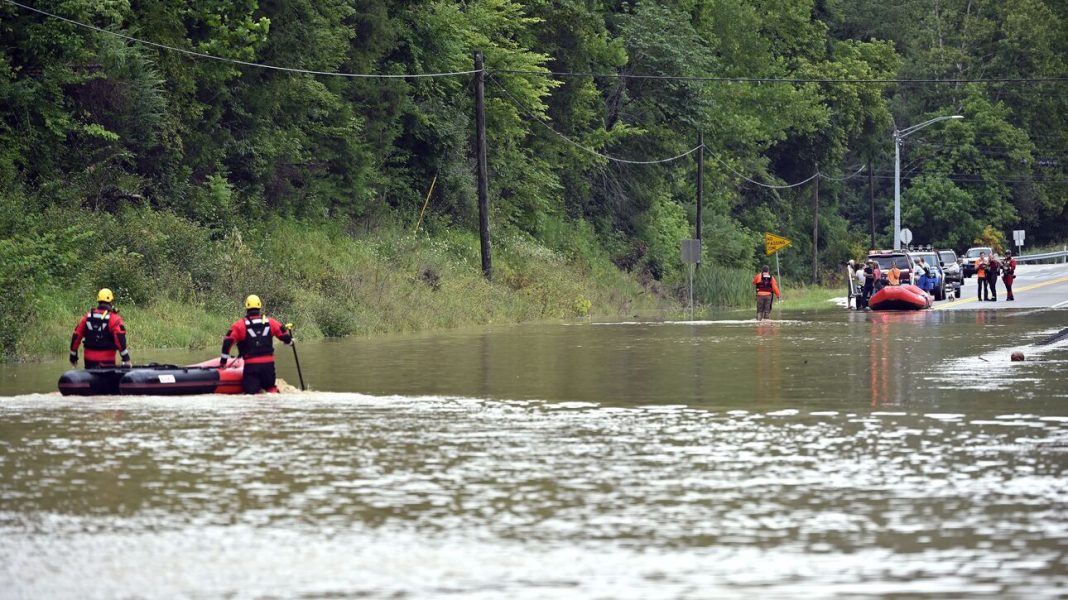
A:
(1036, 286)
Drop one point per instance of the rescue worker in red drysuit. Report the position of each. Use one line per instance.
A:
(1008, 267)
(765, 286)
(103, 332)
(254, 336)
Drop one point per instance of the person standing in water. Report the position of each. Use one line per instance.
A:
(103, 332)
(765, 286)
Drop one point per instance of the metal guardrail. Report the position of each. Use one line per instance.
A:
(1063, 254)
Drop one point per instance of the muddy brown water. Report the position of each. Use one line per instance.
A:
(830, 455)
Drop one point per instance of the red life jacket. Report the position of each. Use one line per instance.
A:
(258, 340)
(98, 333)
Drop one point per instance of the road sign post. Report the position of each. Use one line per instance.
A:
(691, 255)
(772, 244)
(1018, 237)
(906, 236)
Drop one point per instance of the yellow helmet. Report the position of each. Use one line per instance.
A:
(105, 295)
(253, 301)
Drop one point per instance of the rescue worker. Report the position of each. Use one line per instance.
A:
(980, 275)
(255, 344)
(893, 276)
(104, 333)
(993, 269)
(765, 286)
(1008, 275)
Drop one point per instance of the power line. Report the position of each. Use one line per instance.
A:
(977, 179)
(784, 79)
(765, 185)
(233, 60)
(828, 177)
(518, 104)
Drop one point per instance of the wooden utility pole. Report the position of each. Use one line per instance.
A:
(700, 188)
(871, 202)
(481, 167)
(816, 232)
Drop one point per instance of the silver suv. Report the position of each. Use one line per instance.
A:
(967, 268)
(952, 270)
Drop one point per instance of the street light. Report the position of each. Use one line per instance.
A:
(900, 134)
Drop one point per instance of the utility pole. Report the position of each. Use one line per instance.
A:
(816, 231)
(700, 188)
(871, 201)
(481, 166)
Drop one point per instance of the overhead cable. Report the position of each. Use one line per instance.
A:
(235, 61)
(784, 79)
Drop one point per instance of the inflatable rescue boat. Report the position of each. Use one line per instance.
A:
(900, 297)
(155, 380)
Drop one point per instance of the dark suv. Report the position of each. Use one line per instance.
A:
(906, 261)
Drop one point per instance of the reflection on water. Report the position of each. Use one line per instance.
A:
(895, 455)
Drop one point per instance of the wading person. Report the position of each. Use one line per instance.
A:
(1008, 275)
(980, 275)
(765, 286)
(993, 269)
(254, 335)
(103, 332)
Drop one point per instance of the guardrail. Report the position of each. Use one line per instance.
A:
(1062, 254)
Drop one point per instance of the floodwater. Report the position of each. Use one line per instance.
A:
(831, 455)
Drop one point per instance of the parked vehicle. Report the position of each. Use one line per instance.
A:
(936, 284)
(951, 269)
(967, 267)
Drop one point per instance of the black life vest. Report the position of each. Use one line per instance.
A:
(98, 334)
(764, 284)
(258, 341)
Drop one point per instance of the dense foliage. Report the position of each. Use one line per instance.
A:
(97, 124)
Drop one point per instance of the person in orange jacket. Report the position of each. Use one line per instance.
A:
(981, 264)
(765, 286)
(103, 332)
(254, 335)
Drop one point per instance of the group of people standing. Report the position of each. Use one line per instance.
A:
(987, 269)
(867, 278)
(103, 332)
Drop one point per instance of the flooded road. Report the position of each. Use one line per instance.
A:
(834, 454)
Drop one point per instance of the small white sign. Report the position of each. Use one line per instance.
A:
(1018, 236)
(906, 235)
(166, 378)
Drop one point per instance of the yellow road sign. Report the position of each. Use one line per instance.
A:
(774, 243)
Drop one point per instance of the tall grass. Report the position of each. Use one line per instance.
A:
(723, 286)
(179, 286)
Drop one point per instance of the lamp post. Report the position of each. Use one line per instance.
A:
(900, 134)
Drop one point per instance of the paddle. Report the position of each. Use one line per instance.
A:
(296, 359)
